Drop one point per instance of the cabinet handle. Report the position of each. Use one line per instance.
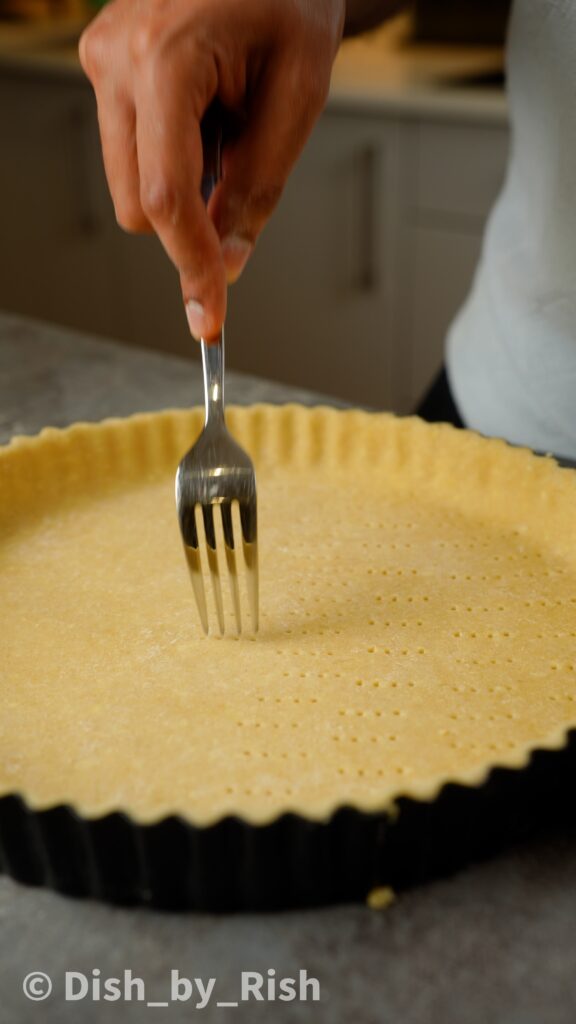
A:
(369, 262)
(82, 174)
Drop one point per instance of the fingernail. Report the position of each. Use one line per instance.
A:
(196, 318)
(235, 251)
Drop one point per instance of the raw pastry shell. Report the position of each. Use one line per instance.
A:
(339, 847)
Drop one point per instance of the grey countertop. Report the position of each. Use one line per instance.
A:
(495, 944)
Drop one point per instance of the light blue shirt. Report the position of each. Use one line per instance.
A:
(512, 350)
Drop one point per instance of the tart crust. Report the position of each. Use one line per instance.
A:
(418, 599)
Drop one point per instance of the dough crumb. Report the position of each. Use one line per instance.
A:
(380, 898)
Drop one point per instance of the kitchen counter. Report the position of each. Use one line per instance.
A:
(494, 943)
(380, 70)
(384, 70)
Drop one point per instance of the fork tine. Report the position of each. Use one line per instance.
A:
(208, 516)
(192, 551)
(193, 556)
(230, 548)
(248, 522)
(252, 583)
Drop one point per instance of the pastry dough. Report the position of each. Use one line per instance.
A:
(418, 618)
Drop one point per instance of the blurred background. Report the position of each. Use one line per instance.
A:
(370, 254)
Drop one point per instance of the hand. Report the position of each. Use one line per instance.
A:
(156, 65)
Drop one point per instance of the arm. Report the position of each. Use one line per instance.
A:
(156, 65)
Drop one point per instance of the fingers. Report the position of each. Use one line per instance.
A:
(102, 61)
(117, 122)
(169, 152)
(257, 164)
(155, 68)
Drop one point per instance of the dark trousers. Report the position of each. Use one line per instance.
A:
(438, 405)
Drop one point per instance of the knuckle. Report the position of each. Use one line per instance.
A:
(92, 49)
(145, 38)
(159, 200)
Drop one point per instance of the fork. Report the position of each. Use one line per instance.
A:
(217, 474)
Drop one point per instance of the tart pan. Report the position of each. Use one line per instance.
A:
(341, 849)
(293, 861)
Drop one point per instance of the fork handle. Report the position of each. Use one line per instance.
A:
(213, 352)
(211, 132)
(213, 370)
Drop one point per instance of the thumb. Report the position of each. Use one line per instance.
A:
(257, 162)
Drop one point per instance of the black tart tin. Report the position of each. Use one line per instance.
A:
(293, 861)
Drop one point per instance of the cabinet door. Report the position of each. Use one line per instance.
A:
(63, 257)
(439, 274)
(452, 173)
(56, 227)
(312, 308)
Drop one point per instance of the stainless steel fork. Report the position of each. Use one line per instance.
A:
(216, 478)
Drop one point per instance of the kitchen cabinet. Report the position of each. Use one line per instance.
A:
(54, 233)
(438, 265)
(314, 304)
(451, 175)
(351, 287)
(354, 283)
(62, 255)
(457, 167)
